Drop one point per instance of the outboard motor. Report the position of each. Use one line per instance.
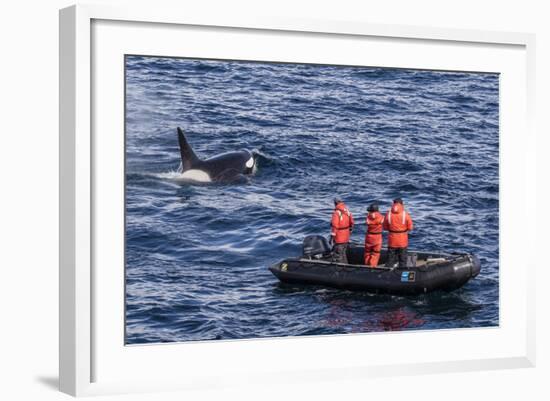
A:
(316, 247)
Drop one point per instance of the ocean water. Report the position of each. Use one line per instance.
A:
(197, 254)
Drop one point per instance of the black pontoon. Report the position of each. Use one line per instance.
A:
(425, 271)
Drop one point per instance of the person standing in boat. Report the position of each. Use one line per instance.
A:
(373, 237)
(341, 228)
(398, 222)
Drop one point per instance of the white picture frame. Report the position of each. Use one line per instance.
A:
(85, 332)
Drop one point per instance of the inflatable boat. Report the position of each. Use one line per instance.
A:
(425, 271)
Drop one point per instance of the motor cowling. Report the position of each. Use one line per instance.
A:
(316, 247)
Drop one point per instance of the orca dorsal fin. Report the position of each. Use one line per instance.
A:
(188, 156)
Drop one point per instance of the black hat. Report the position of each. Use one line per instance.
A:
(373, 207)
(398, 200)
(337, 200)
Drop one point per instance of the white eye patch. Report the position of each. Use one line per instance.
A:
(250, 163)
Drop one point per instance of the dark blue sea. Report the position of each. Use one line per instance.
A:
(197, 254)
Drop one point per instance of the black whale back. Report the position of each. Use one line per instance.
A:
(227, 165)
(224, 167)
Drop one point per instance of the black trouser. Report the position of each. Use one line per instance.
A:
(339, 253)
(397, 253)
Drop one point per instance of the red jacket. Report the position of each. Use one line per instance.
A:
(398, 222)
(374, 223)
(341, 224)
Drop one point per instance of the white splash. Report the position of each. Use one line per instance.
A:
(189, 175)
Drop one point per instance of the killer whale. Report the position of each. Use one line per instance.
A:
(225, 167)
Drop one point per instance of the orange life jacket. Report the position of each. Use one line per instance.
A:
(341, 224)
(374, 222)
(398, 222)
